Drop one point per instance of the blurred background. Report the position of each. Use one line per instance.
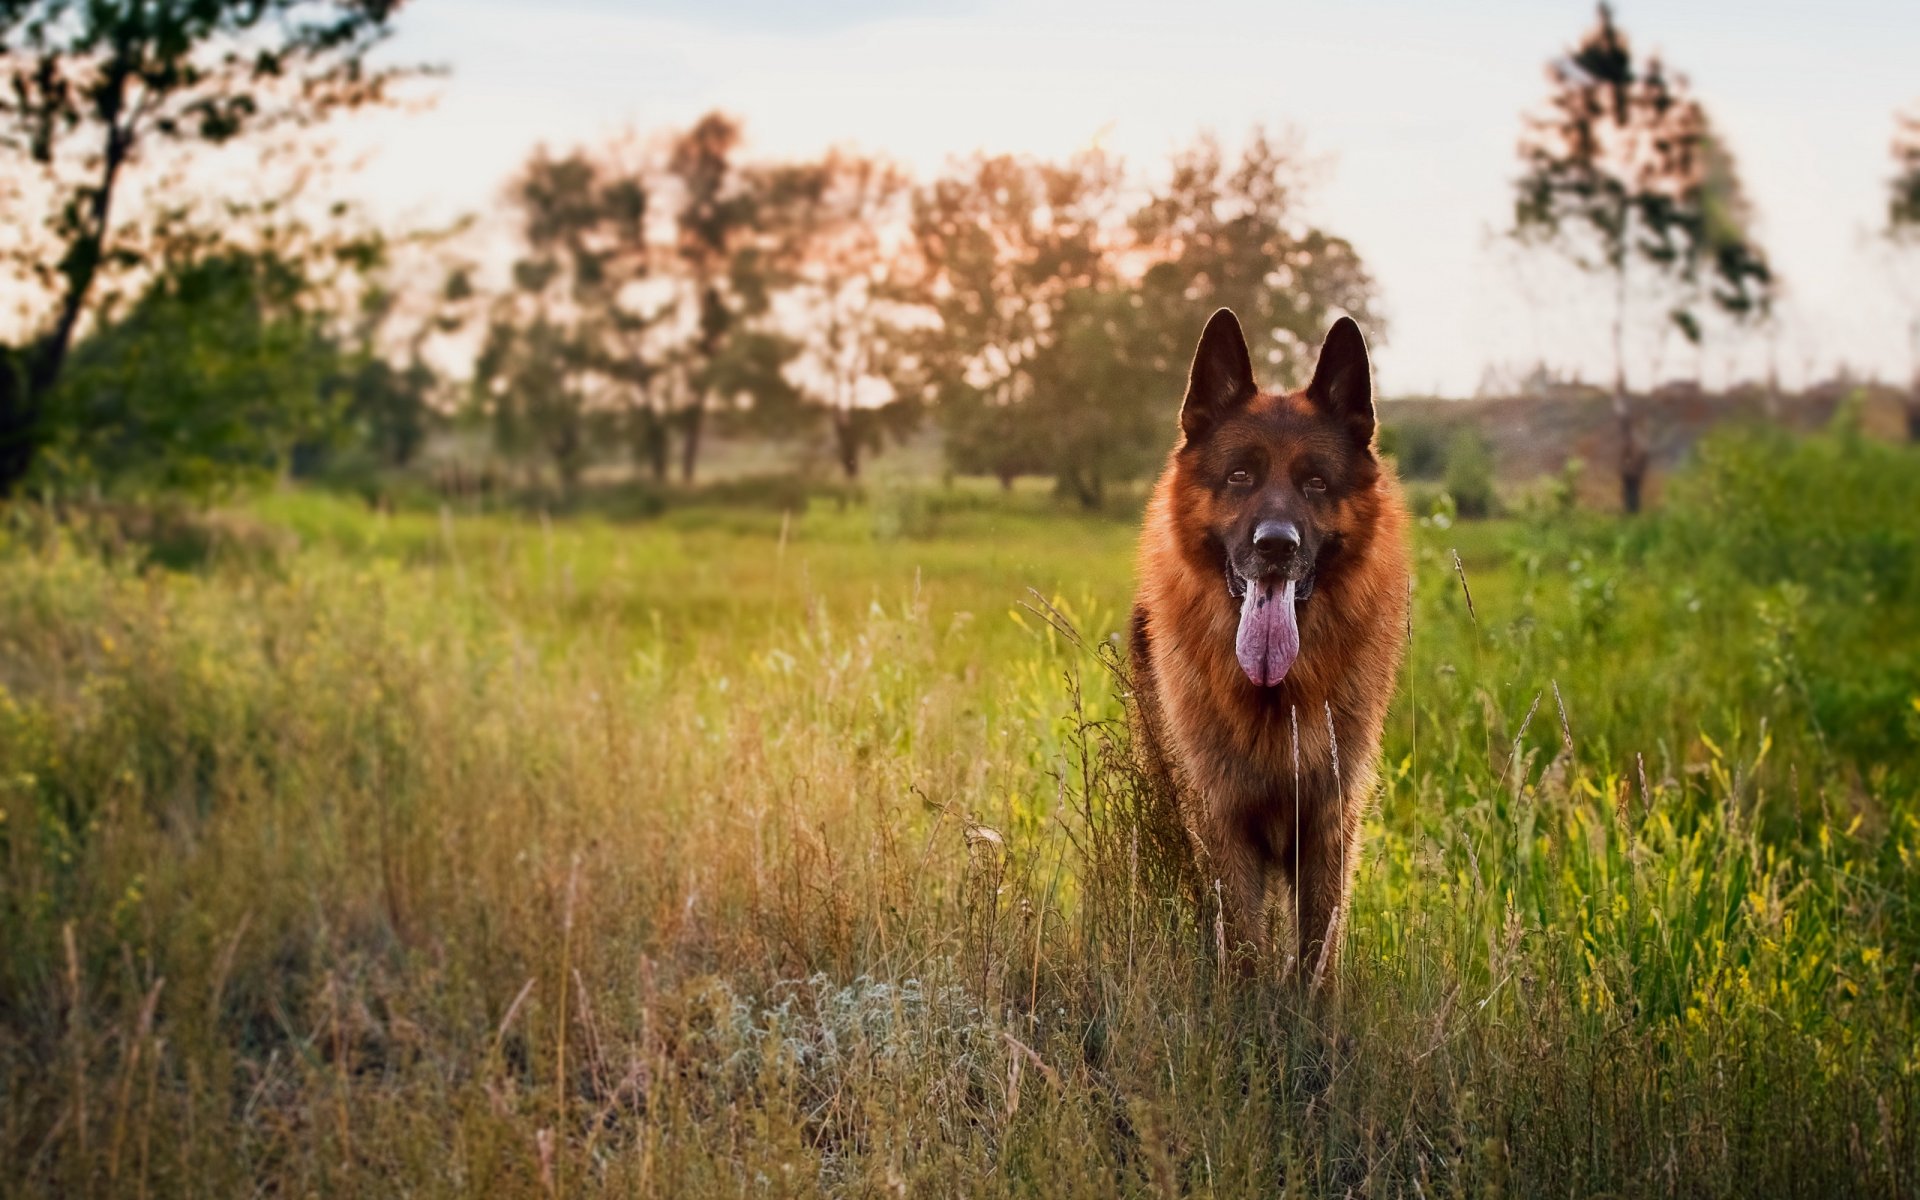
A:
(611, 253)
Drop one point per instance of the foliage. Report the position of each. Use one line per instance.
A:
(1470, 474)
(211, 379)
(1903, 205)
(837, 223)
(1903, 230)
(742, 852)
(569, 334)
(96, 88)
(724, 261)
(1068, 307)
(1625, 171)
(388, 407)
(1003, 245)
(1416, 447)
(1225, 232)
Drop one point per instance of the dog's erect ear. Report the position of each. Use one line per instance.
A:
(1222, 376)
(1342, 384)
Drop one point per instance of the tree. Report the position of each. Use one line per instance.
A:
(213, 377)
(566, 337)
(1066, 309)
(835, 222)
(95, 86)
(1098, 410)
(1224, 233)
(388, 408)
(1623, 170)
(1003, 248)
(715, 226)
(1903, 230)
(530, 377)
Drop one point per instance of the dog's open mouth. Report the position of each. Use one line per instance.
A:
(1269, 636)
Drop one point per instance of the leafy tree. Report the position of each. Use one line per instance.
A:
(1066, 310)
(721, 258)
(1903, 229)
(567, 337)
(835, 222)
(1098, 410)
(388, 389)
(213, 377)
(530, 377)
(1470, 473)
(388, 407)
(94, 87)
(1004, 247)
(1224, 232)
(1622, 171)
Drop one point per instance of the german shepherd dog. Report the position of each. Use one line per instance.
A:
(1267, 632)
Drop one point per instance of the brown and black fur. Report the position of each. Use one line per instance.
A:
(1220, 746)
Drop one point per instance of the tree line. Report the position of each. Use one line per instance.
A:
(1040, 312)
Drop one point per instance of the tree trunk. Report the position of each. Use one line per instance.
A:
(696, 417)
(1631, 484)
(651, 449)
(17, 421)
(1913, 388)
(1633, 449)
(1083, 487)
(1092, 489)
(847, 440)
(29, 381)
(1633, 462)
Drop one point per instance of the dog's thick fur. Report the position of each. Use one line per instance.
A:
(1271, 779)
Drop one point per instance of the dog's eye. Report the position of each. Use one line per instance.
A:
(1240, 479)
(1316, 484)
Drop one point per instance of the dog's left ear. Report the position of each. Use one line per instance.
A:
(1342, 384)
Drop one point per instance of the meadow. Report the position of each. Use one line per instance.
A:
(748, 852)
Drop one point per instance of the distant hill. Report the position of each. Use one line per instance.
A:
(1532, 436)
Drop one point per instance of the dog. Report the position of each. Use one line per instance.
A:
(1267, 633)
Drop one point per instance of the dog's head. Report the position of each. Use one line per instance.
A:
(1280, 483)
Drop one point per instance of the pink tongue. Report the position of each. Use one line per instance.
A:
(1269, 639)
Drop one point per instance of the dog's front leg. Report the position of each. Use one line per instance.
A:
(1238, 880)
(1321, 886)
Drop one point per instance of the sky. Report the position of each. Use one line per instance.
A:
(1412, 111)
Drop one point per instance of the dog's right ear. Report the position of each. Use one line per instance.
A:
(1221, 379)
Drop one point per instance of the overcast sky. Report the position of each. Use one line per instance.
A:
(1414, 107)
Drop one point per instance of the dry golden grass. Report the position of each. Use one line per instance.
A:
(485, 857)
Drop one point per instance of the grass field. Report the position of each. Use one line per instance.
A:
(748, 854)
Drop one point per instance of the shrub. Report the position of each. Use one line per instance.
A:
(1470, 474)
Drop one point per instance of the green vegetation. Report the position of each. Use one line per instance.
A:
(1627, 179)
(745, 854)
(96, 93)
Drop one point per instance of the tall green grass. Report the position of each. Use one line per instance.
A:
(747, 854)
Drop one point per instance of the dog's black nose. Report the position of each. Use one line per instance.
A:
(1276, 539)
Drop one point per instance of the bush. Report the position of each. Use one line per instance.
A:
(1833, 512)
(1470, 474)
(1416, 447)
